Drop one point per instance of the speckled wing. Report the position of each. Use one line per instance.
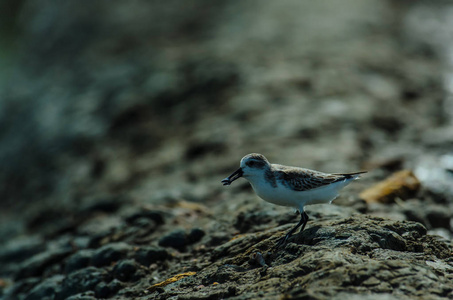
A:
(304, 179)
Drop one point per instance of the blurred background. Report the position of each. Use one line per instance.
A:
(111, 103)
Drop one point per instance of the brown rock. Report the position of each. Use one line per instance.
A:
(402, 184)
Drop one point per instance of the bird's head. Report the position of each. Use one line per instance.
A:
(251, 165)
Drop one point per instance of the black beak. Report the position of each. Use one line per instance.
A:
(237, 174)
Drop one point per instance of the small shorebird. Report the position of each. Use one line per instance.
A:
(290, 186)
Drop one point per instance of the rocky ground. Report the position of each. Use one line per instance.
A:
(120, 119)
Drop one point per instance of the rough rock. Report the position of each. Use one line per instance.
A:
(357, 255)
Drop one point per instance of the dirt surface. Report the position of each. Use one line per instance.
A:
(119, 120)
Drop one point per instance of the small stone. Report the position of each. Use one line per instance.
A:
(402, 184)
(102, 290)
(144, 223)
(148, 255)
(99, 227)
(195, 235)
(106, 290)
(176, 239)
(154, 215)
(438, 217)
(37, 264)
(115, 285)
(106, 204)
(416, 214)
(110, 253)
(81, 242)
(20, 249)
(371, 281)
(79, 260)
(83, 296)
(19, 288)
(81, 281)
(125, 270)
(47, 289)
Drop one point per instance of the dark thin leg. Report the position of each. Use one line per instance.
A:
(303, 221)
(305, 216)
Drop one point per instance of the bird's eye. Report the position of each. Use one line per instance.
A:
(250, 163)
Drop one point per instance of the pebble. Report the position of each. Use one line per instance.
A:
(144, 223)
(176, 239)
(125, 269)
(17, 290)
(154, 215)
(148, 255)
(81, 281)
(438, 216)
(103, 204)
(79, 260)
(47, 289)
(102, 290)
(195, 235)
(179, 238)
(99, 227)
(83, 296)
(20, 249)
(110, 253)
(106, 290)
(37, 264)
(257, 258)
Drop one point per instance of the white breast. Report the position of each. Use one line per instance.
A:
(281, 195)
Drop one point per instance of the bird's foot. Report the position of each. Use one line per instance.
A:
(281, 242)
(226, 181)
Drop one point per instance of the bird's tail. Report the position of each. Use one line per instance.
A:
(351, 175)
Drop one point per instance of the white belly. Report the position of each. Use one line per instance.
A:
(284, 196)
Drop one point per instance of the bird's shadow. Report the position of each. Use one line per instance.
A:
(310, 236)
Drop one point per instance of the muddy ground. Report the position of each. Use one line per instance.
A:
(119, 119)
